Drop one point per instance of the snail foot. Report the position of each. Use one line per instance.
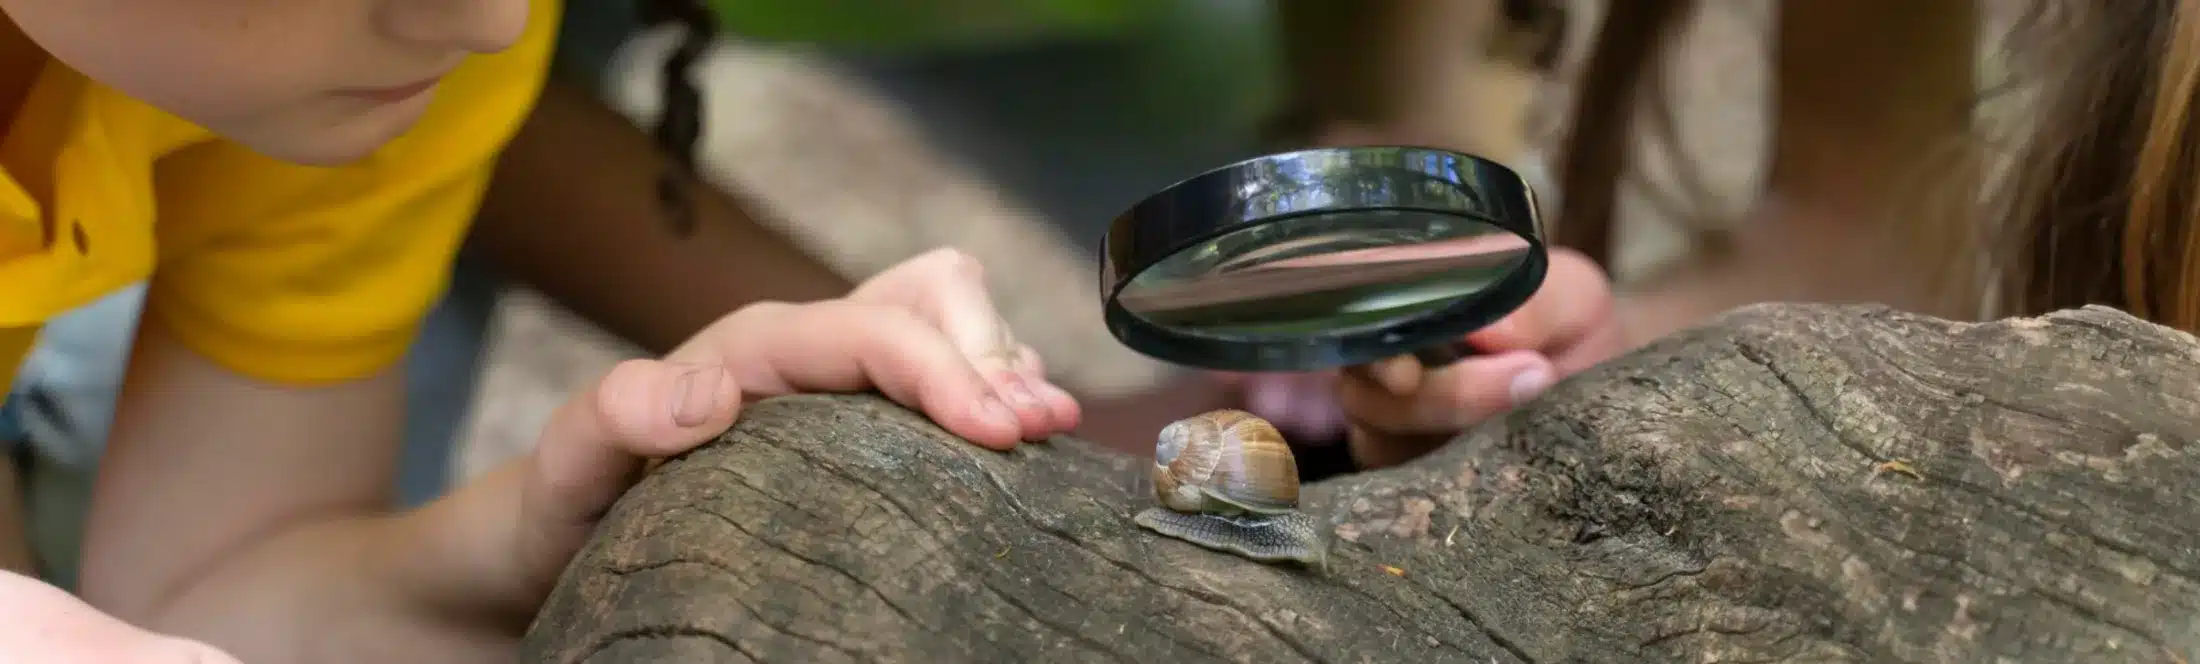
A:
(1268, 538)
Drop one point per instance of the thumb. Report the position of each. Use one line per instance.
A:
(1574, 303)
(596, 445)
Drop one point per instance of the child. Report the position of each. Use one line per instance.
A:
(570, 212)
(291, 180)
(240, 147)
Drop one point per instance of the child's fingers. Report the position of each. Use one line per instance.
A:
(1574, 302)
(1066, 413)
(1449, 399)
(595, 443)
(845, 346)
(657, 409)
(947, 288)
(1399, 375)
(1390, 427)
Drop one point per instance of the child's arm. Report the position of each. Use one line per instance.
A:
(249, 516)
(246, 515)
(573, 212)
(243, 496)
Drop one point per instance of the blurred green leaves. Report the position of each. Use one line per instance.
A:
(870, 25)
(1216, 55)
(1199, 66)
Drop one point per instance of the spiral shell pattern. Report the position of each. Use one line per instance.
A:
(1225, 461)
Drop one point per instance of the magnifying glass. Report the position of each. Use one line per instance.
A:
(1308, 260)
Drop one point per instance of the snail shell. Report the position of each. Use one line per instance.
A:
(1225, 461)
(1227, 481)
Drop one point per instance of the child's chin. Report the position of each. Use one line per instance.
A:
(334, 144)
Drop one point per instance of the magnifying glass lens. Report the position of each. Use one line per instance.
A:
(1323, 274)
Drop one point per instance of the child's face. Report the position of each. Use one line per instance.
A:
(312, 81)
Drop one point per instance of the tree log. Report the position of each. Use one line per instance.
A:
(1785, 484)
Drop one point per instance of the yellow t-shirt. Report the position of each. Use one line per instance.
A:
(286, 273)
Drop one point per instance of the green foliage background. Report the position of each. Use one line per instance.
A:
(1198, 66)
(892, 24)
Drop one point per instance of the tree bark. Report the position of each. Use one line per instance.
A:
(1785, 484)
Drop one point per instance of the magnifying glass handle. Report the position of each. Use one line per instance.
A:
(1443, 355)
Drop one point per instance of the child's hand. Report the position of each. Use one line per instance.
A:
(42, 623)
(924, 332)
(1400, 411)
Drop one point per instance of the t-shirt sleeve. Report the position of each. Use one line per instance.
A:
(305, 275)
(15, 346)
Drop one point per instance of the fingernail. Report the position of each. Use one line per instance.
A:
(1049, 391)
(1052, 395)
(702, 393)
(992, 409)
(1019, 393)
(1527, 385)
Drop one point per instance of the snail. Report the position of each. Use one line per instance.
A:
(1227, 481)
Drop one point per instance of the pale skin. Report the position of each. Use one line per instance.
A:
(301, 566)
(567, 226)
(289, 79)
(41, 623)
(266, 535)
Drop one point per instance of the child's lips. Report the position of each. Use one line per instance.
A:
(391, 94)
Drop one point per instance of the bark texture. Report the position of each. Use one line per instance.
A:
(1786, 484)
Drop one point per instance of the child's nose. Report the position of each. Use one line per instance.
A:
(473, 26)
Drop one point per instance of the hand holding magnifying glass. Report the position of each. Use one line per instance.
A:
(1397, 263)
(1401, 410)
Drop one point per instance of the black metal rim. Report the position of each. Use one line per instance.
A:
(1208, 205)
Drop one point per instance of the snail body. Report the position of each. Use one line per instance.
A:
(1227, 481)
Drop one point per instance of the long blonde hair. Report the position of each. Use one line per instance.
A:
(2102, 206)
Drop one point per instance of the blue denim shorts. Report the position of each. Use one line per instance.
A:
(11, 425)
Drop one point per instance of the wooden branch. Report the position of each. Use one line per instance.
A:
(1791, 484)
